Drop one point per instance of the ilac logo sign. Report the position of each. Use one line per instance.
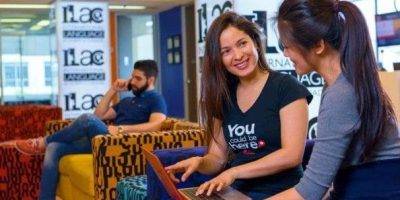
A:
(95, 76)
(84, 15)
(84, 58)
(88, 102)
(260, 18)
(257, 16)
(83, 45)
(216, 10)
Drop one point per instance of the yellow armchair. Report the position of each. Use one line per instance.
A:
(118, 156)
(94, 176)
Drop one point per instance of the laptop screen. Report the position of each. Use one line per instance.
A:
(162, 175)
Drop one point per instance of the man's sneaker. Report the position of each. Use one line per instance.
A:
(30, 146)
(10, 143)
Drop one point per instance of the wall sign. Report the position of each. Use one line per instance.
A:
(82, 30)
(206, 12)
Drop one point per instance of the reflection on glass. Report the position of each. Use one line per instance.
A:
(177, 57)
(169, 43)
(170, 58)
(135, 42)
(28, 69)
(177, 42)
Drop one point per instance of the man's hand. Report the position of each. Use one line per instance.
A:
(113, 130)
(120, 85)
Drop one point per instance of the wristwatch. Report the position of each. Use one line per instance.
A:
(120, 130)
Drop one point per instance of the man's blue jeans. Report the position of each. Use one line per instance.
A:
(73, 139)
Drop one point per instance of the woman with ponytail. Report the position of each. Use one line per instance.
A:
(357, 148)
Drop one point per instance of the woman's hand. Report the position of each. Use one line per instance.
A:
(223, 180)
(187, 166)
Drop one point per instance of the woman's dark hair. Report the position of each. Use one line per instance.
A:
(303, 23)
(216, 80)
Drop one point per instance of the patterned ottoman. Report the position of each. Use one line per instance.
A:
(132, 188)
(19, 173)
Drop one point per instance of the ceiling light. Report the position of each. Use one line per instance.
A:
(25, 6)
(35, 28)
(43, 22)
(118, 7)
(15, 20)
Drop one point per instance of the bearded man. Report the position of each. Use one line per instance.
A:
(143, 112)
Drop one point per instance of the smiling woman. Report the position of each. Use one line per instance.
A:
(239, 56)
(258, 115)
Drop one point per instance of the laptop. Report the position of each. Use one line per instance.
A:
(187, 193)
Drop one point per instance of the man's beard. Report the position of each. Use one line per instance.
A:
(140, 90)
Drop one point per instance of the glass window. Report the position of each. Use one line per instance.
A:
(28, 61)
(387, 6)
(142, 37)
(9, 79)
(15, 75)
(23, 75)
(47, 74)
(388, 55)
(138, 30)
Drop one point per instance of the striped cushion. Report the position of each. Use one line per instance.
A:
(132, 188)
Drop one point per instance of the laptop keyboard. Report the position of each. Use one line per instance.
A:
(191, 193)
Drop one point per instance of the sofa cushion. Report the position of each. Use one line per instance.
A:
(25, 121)
(132, 188)
(168, 124)
(79, 169)
(185, 125)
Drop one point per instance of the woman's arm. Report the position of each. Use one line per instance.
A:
(291, 194)
(337, 120)
(215, 159)
(213, 162)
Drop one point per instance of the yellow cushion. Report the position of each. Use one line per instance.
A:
(79, 169)
(66, 191)
(64, 188)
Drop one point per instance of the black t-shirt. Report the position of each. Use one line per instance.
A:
(257, 132)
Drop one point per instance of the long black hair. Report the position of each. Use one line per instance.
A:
(342, 26)
(215, 79)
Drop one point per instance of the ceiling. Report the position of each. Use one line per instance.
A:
(36, 15)
(152, 6)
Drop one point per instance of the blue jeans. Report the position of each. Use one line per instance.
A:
(73, 139)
